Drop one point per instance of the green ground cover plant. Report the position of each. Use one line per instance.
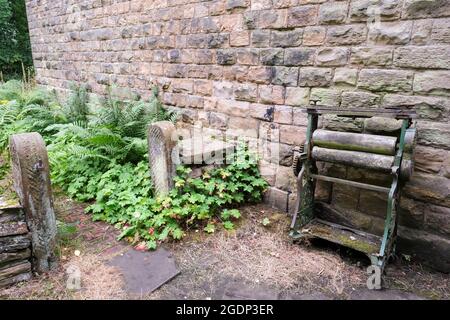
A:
(98, 154)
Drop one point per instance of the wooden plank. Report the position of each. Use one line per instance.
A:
(15, 279)
(351, 238)
(351, 183)
(364, 113)
(12, 216)
(14, 256)
(14, 269)
(13, 228)
(14, 243)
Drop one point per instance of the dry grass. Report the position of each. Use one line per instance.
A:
(259, 255)
(98, 281)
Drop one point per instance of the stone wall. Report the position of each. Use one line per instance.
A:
(253, 64)
(15, 244)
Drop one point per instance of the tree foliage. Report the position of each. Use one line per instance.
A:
(15, 47)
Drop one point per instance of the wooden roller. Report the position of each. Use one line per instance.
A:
(355, 141)
(354, 158)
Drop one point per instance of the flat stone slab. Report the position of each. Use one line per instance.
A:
(204, 150)
(144, 272)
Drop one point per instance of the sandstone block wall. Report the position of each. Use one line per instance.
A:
(253, 64)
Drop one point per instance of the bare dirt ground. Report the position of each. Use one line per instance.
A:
(252, 262)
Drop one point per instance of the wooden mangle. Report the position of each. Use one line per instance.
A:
(393, 155)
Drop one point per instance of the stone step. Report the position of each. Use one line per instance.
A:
(205, 151)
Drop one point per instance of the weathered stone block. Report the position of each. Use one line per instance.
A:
(429, 160)
(302, 16)
(425, 8)
(336, 123)
(246, 92)
(271, 94)
(334, 13)
(285, 180)
(300, 117)
(269, 131)
(419, 57)
(373, 203)
(432, 108)
(332, 56)
(30, 168)
(243, 127)
(232, 5)
(265, 19)
(390, 33)
(440, 33)
(345, 76)
(345, 197)
(260, 38)
(382, 125)
(315, 77)
(233, 108)
(283, 114)
(434, 134)
(286, 38)
(437, 220)
(429, 188)
(297, 96)
(268, 171)
(363, 10)
(346, 34)
(432, 82)
(430, 248)
(326, 97)
(421, 32)
(218, 120)
(226, 57)
(277, 198)
(292, 134)
(411, 213)
(261, 4)
(368, 56)
(314, 36)
(299, 57)
(247, 56)
(272, 57)
(262, 111)
(239, 39)
(287, 76)
(359, 99)
(385, 80)
(260, 75)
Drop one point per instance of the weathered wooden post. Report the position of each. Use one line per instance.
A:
(162, 152)
(31, 176)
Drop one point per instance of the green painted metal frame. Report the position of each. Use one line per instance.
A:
(304, 211)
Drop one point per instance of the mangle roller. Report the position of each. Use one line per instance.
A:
(391, 154)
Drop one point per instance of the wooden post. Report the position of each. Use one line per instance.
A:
(30, 169)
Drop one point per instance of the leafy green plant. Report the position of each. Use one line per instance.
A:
(203, 201)
(98, 153)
